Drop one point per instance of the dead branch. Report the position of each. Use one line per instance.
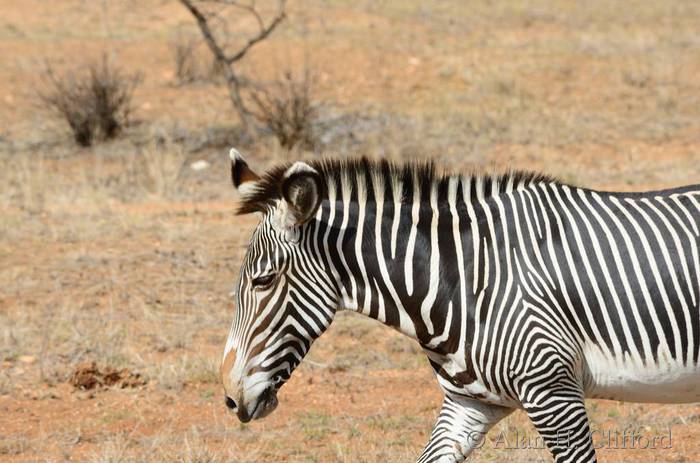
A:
(264, 31)
(233, 80)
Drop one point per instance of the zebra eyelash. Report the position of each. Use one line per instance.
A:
(264, 281)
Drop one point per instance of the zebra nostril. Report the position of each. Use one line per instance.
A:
(230, 403)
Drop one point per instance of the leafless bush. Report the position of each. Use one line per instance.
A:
(287, 109)
(94, 101)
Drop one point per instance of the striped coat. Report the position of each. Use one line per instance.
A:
(524, 293)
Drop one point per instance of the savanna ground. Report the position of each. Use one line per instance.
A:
(123, 255)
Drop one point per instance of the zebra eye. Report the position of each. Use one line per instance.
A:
(263, 281)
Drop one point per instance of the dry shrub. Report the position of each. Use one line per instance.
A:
(190, 65)
(186, 68)
(95, 101)
(287, 109)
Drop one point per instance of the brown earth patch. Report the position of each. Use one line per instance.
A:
(88, 375)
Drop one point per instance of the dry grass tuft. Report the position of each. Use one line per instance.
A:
(163, 163)
(186, 370)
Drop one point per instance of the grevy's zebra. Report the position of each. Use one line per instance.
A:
(523, 292)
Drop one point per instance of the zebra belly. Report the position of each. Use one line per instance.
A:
(663, 382)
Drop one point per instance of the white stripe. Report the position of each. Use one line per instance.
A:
(397, 189)
(349, 302)
(466, 197)
(457, 236)
(434, 280)
(361, 184)
(411, 245)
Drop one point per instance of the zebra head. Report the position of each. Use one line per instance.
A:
(284, 299)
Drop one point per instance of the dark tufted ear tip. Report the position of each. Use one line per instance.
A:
(242, 176)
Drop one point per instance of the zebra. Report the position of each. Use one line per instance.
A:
(523, 292)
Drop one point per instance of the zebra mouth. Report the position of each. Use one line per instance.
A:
(266, 404)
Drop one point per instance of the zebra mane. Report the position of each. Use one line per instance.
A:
(362, 173)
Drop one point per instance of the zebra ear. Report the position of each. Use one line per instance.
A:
(244, 179)
(301, 191)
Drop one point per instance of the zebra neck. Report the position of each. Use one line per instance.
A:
(386, 259)
(366, 275)
(400, 246)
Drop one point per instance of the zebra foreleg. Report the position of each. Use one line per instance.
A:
(560, 418)
(460, 428)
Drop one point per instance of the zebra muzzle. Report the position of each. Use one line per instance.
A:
(263, 406)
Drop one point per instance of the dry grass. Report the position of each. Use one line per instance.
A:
(123, 254)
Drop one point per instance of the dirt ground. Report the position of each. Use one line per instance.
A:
(117, 260)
